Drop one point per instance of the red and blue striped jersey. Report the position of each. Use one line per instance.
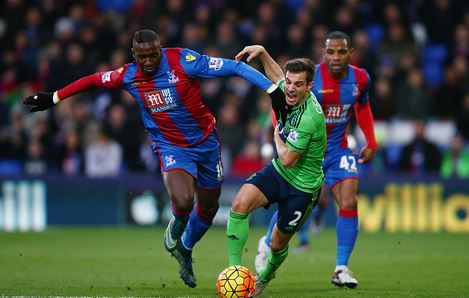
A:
(338, 98)
(170, 101)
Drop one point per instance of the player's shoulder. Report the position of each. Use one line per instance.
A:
(312, 111)
(320, 67)
(361, 75)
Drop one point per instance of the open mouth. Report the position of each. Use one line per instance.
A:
(336, 67)
(290, 97)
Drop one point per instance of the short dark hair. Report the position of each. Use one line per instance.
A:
(144, 36)
(338, 35)
(299, 65)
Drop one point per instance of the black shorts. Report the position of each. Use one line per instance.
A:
(294, 205)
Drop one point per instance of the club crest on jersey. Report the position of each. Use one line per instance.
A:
(355, 90)
(106, 77)
(293, 136)
(172, 78)
(215, 63)
(169, 160)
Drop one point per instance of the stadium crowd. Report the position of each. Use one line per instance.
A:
(416, 52)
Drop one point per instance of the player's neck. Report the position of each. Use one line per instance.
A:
(339, 76)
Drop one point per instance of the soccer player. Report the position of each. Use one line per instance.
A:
(339, 87)
(293, 179)
(164, 83)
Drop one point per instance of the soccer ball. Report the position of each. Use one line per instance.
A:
(236, 281)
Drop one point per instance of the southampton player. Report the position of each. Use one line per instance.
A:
(339, 87)
(165, 85)
(294, 178)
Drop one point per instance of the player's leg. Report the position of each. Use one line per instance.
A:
(345, 193)
(179, 172)
(180, 187)
(294, 209)
(201, 217)
(263, 245)
(277, 254)
(208, 188)
(248, 198)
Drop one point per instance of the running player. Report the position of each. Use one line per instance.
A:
(294, 178)
(164, 83)
(339, 87)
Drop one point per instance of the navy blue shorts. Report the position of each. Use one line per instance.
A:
(294, 205)
(201, 161)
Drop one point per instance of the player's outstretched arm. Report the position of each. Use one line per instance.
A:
(44, 100)
(272, 70)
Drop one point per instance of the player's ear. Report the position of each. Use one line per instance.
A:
(310, 85)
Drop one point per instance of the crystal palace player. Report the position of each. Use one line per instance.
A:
(339, 87)
(164, 82)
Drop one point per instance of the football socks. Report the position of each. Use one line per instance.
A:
(237, 230)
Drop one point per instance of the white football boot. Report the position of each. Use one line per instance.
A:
(262, 254)
(344, 277)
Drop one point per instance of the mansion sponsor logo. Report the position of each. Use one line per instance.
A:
(159, 100)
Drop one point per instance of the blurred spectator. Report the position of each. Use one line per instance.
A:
(414, 101)
(398, 43)
(420, 156)
(13, 138)
(455, 162)
(120, 130)
(103, 157)
(231, 134)
(462, 118)
(440, 17)
(383, 99)
(362, 56)
(35, 163)
(249, 161)
(71, 154)
(449, 94)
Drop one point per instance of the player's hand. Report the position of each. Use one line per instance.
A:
(366, 155)
(41, 101)
(252, 52)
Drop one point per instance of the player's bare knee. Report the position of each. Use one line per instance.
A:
(277, 245)
(348, 203)
(183, 202)
(239, 205)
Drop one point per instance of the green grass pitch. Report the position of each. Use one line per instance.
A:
(132, 262)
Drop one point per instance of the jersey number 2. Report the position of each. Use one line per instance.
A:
(294, 221)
